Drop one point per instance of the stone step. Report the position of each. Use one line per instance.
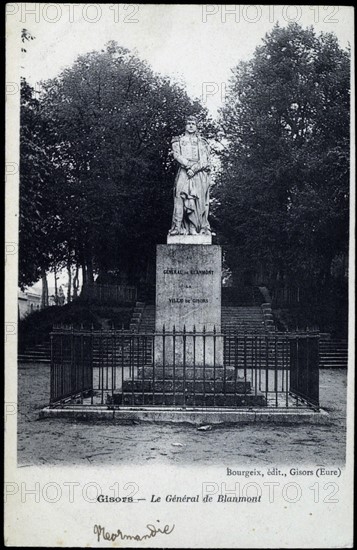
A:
(184, 386)
(218, 400)
(25, 358)
(38, 353)
(333, 349)
(331, 355)
(199, 373)
(334, 357)
(231, 318)
(333, 364)
(241, 311)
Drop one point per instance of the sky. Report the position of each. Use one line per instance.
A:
(197, 44)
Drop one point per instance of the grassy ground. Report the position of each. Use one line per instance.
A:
(55, 441)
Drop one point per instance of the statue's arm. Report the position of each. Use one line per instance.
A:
(177, 153)
(204, 164)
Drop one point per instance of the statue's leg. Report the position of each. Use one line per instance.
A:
(191, 206)
(177, 216)
(205, 229)
(205, 226)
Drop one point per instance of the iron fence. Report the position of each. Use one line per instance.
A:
(121, 368)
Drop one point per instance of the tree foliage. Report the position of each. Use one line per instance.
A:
(107, 124)
(39, 239)
(283, 190)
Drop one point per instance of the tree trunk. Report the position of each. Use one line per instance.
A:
(90, 275)
(76, 282)
(44, 297)
(69, 271)
(84, 273)
(56, 287)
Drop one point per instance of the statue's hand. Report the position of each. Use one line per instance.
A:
(190, 173)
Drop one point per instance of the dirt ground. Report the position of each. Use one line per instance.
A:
(67, 442)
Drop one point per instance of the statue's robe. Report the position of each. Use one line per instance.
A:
(191, 195)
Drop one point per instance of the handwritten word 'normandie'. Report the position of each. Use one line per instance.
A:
(153, 531)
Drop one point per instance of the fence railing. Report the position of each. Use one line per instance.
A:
(121, 368)
(109, 293)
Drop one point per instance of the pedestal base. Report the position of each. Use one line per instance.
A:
(189, 239)
(189, 387)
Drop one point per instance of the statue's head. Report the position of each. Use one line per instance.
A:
(191, 124)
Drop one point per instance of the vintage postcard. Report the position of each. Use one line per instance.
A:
(180, 272)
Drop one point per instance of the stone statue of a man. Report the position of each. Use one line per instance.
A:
(192, 183)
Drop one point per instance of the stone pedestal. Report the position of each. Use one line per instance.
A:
(188, 297)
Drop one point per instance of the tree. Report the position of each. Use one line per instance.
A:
(109, 122)
(283, 191)
(39, 239)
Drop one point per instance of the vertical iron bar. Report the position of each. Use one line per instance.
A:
(113, 362)
(174, 364)
(137, 337)
(229, 341)
(82, 365)
(101, 366)
(276, 371)
(145, 340)
(214, 365)
(184, 365)
(287, 363)
(91, 365)
(260, 363)
(236, 359)
(308, 343)
(224, 368)
(122, 365)
(62, 368)
(107, 361)
(194, 365)
(245, 364)
(297, 369)
(115, 357)
(252, 359)
(132, 361)
(267, 368)
(236, 356)
(74, 385)
(282, 364)
(255, 365)
(52, 374)
(153, 369)
(204, 364)
(163, 364)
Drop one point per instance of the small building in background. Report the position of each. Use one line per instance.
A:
(28, 302)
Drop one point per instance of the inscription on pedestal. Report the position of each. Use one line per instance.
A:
(188, 295)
